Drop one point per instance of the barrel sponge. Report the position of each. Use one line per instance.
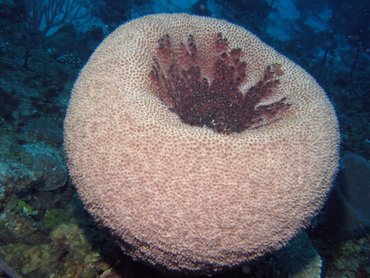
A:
(174, 192)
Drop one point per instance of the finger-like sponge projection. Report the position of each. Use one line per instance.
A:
(197, 145)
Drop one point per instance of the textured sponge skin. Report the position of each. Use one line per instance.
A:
(185, 197)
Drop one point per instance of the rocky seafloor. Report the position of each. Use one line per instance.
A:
(44, 229)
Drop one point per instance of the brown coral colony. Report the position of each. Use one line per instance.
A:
(205, 91)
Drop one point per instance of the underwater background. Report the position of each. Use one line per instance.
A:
(44, 229)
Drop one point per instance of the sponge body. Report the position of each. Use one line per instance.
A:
(185, 197)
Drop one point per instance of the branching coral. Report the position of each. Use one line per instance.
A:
(204, 95)
(44, 15)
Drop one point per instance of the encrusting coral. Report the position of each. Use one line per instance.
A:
(198, 146)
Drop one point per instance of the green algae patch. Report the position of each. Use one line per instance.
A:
(36, 256)
(26, 208)
(55, 217)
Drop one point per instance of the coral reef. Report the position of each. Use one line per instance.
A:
(45, 232)
(186, 197)
(350, 259)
